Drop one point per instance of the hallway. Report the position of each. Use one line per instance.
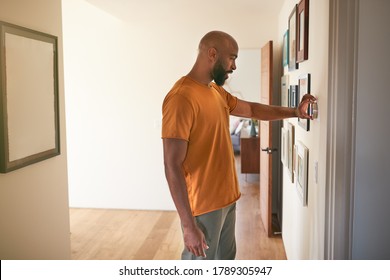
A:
(101, 234)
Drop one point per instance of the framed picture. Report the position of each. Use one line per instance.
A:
(301, 171)
(293, 96)
(303, 31)
(303, 88)
(290, 150)
(284, 91)
(285, 48)
(29, 126)
(284, 147)
(292, 40)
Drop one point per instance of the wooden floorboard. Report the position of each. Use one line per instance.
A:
(101, 234)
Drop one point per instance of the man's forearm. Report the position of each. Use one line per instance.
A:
(272, 113)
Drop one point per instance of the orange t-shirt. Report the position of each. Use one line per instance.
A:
(199, 114)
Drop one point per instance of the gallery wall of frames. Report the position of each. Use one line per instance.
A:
(294, 153)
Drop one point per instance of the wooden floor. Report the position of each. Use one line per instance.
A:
(99, 234)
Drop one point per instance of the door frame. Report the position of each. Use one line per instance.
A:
(340, 174)
(266, 190)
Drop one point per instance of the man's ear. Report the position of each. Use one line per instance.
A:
(212, 54)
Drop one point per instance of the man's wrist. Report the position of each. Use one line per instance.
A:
(189, 224)
(296, 112)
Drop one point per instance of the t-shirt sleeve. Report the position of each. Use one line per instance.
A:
(177, 119)
(231, 100)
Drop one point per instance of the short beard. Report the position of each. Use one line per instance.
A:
(219, 74)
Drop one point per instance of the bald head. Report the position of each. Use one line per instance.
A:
(216, 58)
(218, 40)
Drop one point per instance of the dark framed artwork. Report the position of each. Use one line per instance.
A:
(292, 40)
(303, 88)
(303, 31)
(285, 48)
(29, 126)
(293, 96)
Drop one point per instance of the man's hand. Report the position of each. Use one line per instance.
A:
(303, 106)
(195, 241)
(175, 151)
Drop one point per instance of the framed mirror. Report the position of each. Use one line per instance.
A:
(29, 127)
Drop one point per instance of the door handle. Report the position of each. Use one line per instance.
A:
(269, 150)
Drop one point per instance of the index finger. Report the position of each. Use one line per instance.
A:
(309, 97)
(199, 252)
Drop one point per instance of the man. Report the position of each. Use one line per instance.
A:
(198, 155)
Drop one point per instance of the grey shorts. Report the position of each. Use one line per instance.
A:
(219, 230)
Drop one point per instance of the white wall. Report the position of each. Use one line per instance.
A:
(303, 227)
(245, 82)
(120, 61)
(34, 216)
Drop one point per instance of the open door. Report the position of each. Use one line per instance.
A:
(267, 194)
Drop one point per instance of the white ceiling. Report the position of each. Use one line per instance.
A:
(131, 10)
